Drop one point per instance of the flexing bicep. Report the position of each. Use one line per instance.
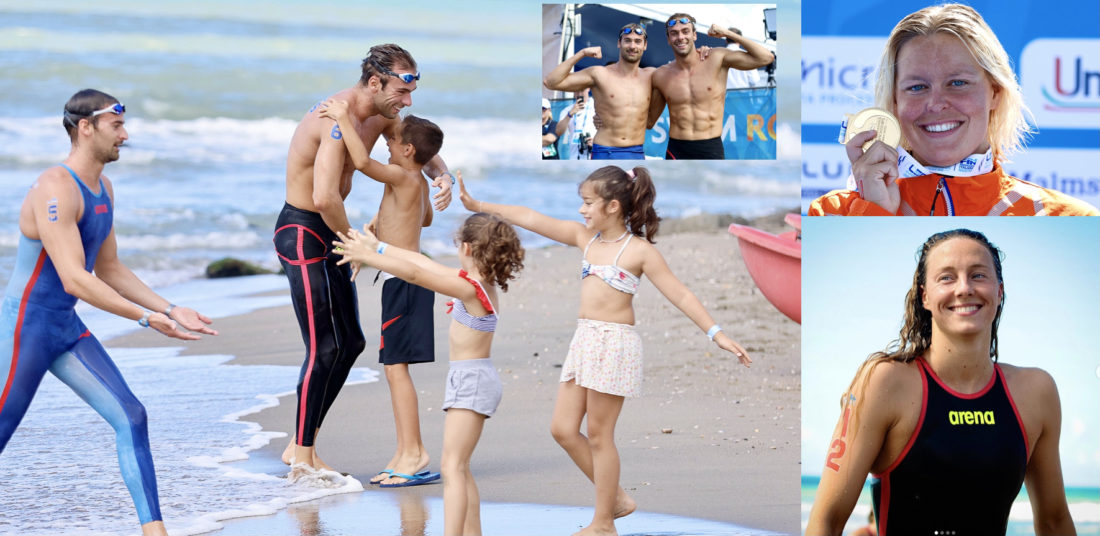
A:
(754, 56)
(574, 82)
(1044, 470)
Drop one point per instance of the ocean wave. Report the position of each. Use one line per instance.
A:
(474, 144)
(200, 44)
(214, 240)
(1082, 512)
(352, 16)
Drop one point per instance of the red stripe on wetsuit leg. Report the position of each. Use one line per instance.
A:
(19, 326)
(312, 338)
(386, 324)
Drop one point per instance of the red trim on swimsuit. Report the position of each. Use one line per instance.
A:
(19, 325)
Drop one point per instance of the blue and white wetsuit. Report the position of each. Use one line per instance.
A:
(40, 331)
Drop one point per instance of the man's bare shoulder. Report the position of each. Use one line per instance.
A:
(663, 72)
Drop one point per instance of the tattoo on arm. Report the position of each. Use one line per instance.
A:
(336, 134)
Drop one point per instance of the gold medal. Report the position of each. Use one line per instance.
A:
(886, 127)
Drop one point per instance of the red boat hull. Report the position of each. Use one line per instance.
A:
(775, 264)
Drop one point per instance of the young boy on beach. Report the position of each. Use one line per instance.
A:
(407, 327)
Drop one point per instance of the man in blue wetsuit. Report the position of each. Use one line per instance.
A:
(66, 232)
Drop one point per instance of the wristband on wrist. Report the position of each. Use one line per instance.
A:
(448, 173)
(144, 320)
(713, 331)
(381, 249)
(168, 311)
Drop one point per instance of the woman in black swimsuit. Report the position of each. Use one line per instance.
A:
(947, 433)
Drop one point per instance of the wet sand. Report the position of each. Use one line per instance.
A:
(708, 439)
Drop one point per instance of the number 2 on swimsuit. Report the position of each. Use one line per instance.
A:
(838, 444)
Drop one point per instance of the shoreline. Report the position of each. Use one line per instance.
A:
(738, 464)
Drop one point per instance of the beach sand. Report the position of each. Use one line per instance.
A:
(708, 439)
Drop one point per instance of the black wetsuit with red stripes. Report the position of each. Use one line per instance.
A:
(327, 308)
(961, 469)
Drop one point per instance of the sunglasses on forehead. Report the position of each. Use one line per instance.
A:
(639, 31)
(684, 20)
(404, 77)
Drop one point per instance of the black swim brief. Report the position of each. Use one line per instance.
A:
(711, 149)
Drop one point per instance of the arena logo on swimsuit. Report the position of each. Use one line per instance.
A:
(970, 417)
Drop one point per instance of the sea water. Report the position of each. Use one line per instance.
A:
(1084, 507)
(214, 89)
(60, 470)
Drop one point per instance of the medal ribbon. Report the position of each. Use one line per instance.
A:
(975, 164)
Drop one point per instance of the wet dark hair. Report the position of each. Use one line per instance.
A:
(424, 136)
(384, 57)
(916, 332)
(635, 196)
(494, 246)
(81, 105)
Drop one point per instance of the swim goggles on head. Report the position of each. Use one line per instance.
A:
(404, 77)
(116, 108)
(637, 30)
(684, 20)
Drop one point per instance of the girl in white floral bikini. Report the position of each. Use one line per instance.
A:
(604, 364)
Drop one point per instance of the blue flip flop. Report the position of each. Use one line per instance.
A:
(422, 477)
(391, 473)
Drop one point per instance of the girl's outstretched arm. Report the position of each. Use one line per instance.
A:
(655, 267)
(365, 248)
(570, 233)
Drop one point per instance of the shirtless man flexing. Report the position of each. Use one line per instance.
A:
(318, 179)
(622, 92)
(695, 88)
